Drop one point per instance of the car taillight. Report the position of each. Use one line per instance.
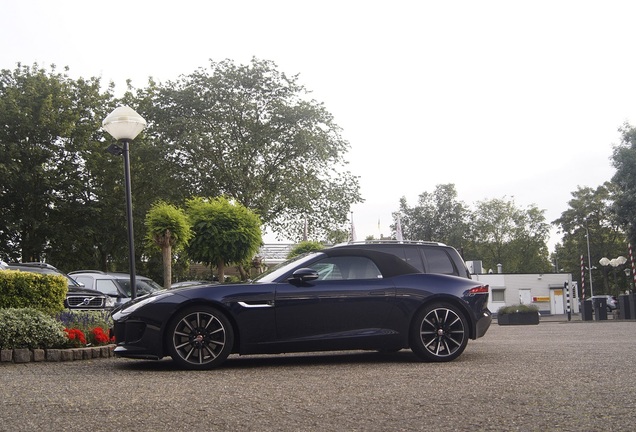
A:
(483, 289)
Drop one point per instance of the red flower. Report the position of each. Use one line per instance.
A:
(76, 337)
(99, 336)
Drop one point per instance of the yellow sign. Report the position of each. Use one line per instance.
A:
(541, 299)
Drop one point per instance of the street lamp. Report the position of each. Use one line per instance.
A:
(124, 124)
(615, 262)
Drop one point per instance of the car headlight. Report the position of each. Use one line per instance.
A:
(109, 302)
(133, 306)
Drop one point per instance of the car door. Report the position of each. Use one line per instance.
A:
(349, 298)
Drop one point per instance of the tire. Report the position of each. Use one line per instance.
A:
(200, 338)
(439, 333)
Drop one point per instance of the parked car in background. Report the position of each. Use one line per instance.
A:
(610, 300)
(115, 285)
(427, 257)
(335, 299)
(78, 297)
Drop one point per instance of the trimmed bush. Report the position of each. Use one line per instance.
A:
(43, 292)
(30, 328)
(520, 308)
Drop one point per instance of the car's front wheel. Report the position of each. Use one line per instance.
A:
(200, 337)
(439, 333)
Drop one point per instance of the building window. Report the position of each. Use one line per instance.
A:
(498, 295)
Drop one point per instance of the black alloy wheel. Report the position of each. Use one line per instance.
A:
(200, 337)
(439, 333)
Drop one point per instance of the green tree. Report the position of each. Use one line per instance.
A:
(48, 119)
(168, 228)
(624, 180)
(337, 236)
(250, 132)
(590, 212)
(511, 236)
(438, 216)
(224, 232)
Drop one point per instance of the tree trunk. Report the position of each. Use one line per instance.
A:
(167, 266)
(220, 266)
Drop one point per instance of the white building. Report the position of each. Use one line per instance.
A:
(549, 291)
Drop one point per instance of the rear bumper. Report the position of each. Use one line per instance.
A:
(483, 323)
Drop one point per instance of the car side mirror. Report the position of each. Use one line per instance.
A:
(302, 276)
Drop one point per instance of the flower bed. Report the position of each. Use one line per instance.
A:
(518, 315)
(29, 335)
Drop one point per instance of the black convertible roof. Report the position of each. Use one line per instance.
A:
(388, 264)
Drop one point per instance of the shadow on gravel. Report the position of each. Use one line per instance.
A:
(287, 360)
(297, 360)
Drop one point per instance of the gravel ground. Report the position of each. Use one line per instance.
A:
(576, 376)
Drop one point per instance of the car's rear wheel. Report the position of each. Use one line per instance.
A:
(200, 337)
(439, 333)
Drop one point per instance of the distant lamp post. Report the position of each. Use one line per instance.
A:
(124, 124)
(615, 262)
(589, 259)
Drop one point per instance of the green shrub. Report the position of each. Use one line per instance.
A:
(305, 246)
(29, 328)
(44, 292)
(520, 308)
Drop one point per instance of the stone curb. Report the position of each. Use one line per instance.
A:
(26, 355)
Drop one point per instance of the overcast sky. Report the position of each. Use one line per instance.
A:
(506, 98)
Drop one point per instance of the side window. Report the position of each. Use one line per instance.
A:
(106, 286)
(84, 280)
(414, 258)
(341, 268)
(438, 261)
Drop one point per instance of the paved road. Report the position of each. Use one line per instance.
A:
(577, 376)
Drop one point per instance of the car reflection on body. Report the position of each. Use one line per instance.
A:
(334, 299)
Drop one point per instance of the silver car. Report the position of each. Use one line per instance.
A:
(115, 285)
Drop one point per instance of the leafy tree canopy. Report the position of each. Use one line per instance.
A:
(251, 133)
(437, 216)
(624, 159)
(496, 232)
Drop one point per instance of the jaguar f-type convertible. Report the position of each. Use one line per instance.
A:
(334, 299)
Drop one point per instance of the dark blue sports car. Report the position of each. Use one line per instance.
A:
(335, 299)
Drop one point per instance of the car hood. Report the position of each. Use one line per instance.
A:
(84, 291)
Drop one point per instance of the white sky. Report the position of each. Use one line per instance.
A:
(507, 98)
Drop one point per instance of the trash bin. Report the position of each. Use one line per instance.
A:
(586, 310)
(632, 305)
(600, 308)
(624, 307)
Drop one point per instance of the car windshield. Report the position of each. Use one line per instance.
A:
(144, 286)
(274, 273)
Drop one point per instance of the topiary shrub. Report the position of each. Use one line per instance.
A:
(520, 308)
(29, 328)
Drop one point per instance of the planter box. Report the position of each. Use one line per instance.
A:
(531, 318)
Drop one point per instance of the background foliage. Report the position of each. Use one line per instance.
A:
(251, 133)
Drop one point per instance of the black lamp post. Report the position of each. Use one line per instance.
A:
(124, 124)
